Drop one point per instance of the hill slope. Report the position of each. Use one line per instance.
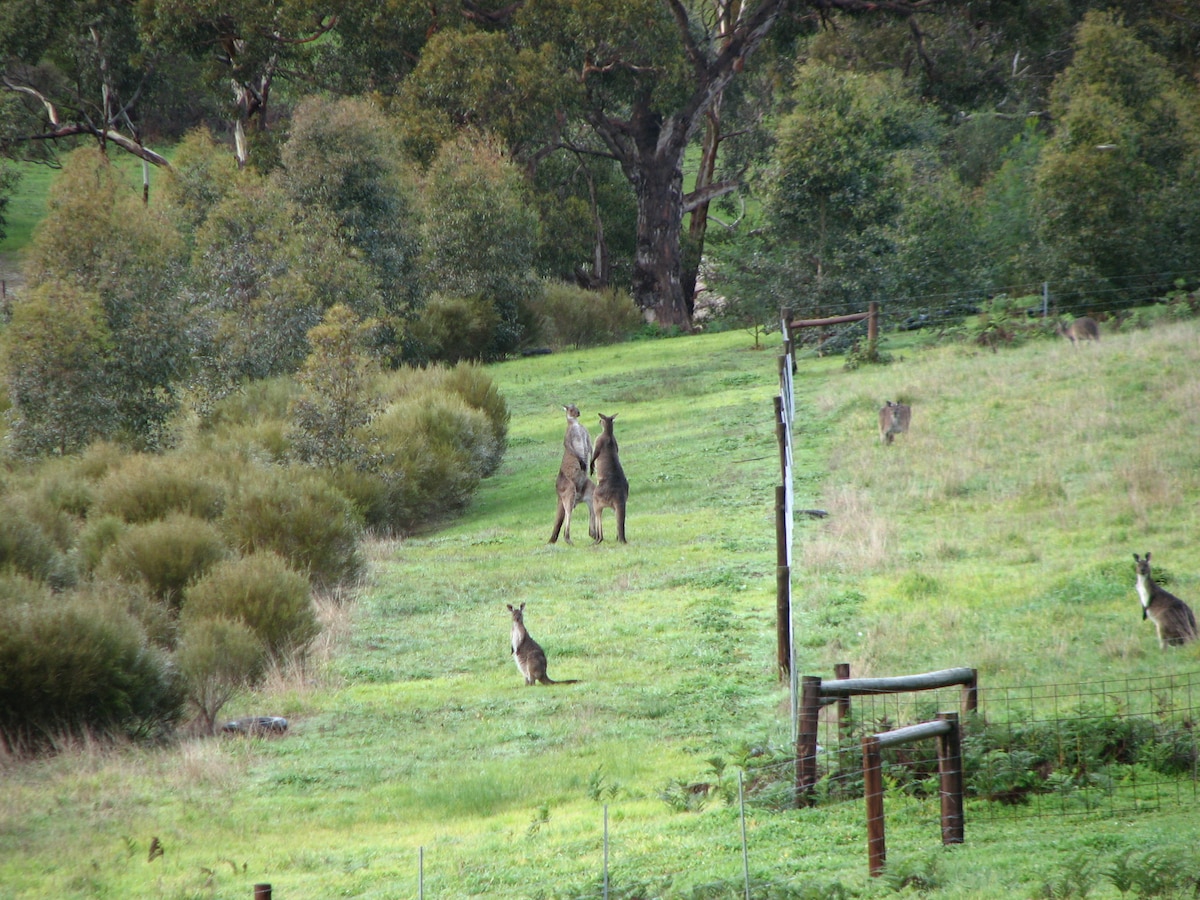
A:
(997, 534)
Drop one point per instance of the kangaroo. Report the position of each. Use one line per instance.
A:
(528, 653)
(612, 487)
(1172, 617)
(1082, 329)
(572, 484)
(893, 420)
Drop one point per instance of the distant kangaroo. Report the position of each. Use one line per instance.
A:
(1082, 329)
(573, 485)
(1172, 617)
(612, 487)
(528, 653)
(893, 420)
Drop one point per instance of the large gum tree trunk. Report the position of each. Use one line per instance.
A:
(657, 282)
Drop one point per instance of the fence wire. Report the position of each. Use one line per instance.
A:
(1113, 746)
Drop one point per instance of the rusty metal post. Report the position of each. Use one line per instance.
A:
(970, 695)
(873, 793)
(262, 892)
(950, 774)
(806, 739)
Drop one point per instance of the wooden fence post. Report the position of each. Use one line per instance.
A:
(841, 671)
(950, 775)
(970, 695)
(873, 793)
(262, 892)
(806, 739)
(872, 323)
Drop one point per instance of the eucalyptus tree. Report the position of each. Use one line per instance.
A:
(243, 44)
(1111, 183)
(98, 237)
(78, 69)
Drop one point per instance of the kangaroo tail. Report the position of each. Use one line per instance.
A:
(549, 680)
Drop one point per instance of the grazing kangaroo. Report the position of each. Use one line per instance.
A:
(612, 487)
(1172, 617)
(528, 653)
(893, 420)
(573, 485)
(1082, 329)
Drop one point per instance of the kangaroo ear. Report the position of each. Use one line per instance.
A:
(510, 609)
(1147, 556)
(1136, 558)
(522, 607)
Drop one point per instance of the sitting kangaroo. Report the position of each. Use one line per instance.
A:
(1082, 329)
(612, 487)
(528, 653)
(573, 485)
(1172, 617)
(893, 420)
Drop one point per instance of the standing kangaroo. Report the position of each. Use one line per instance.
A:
(612, 487)
(893, 420)
(1172, 617)
(1082, 329)
(528, 653)
(573, 485)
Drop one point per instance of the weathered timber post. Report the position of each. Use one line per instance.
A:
(950, 774)
(872, 323)
(806, 739)
(262, 892)
(970, 694)
(873, 793)
(781, 436)
(783, 588)
(841, 671)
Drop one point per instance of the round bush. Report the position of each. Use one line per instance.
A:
(479, 391)
(261, 592)
(216, 658)
(435, 449)
(144, 488)
(28, 549)
(166, 555)
(572, 316)
(95, 538)
(72, 668)
(302, 517)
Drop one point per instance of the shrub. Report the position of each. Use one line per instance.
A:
(466, 381)
(166, 555)
(301, 516)
(435, 449)
(146, 487)
(76, 667)
(261, 592)
(95, 538)
(217, 657)
(27, 549)
(451, 329)
(572, 316)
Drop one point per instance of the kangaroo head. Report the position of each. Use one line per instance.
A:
(517, 612)
(1143, 565)
(607, 421)
(571, 410)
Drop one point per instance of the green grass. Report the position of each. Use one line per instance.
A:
(997, 534)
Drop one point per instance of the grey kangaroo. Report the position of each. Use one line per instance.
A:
(893, 420)
(1172, 617)
(1084, 328)
(612, 487)
(572, 484)
(528, 653)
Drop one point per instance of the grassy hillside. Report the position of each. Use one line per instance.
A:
(997, 534)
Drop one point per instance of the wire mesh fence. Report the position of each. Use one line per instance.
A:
(1112, 746)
